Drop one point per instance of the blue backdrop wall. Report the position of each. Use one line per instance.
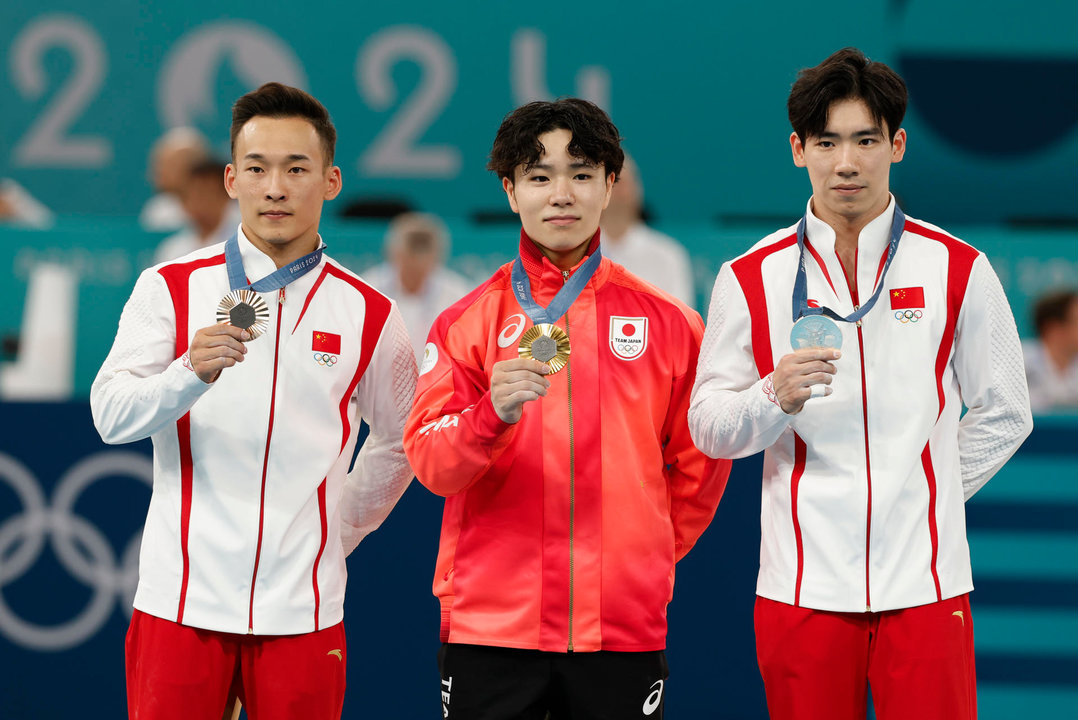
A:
(71, 510)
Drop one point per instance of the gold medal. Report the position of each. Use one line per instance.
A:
(244, 309)
(546, 343)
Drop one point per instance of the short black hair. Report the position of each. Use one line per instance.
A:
(1052, 308)
(281, 101)
(595, 138)
(846, 75)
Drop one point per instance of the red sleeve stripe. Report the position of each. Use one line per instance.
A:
(321, 549)
(960, 259)
(800, 453)
(749, 273)
(933, 532)
(376, 312)
(177, 278)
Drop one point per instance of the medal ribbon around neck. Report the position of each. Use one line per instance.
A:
(800, 297)
(237, 278)
(566, 296)
(544, 341)
(244, 307)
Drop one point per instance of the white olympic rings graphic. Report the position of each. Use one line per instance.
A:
(325, 359)
(79, 546)
(908, 316)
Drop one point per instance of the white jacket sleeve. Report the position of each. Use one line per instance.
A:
(142, 387)
(733, 412)
(381, 473)
(992, 379)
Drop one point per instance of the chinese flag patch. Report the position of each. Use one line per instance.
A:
(911, 297)
(326, 342)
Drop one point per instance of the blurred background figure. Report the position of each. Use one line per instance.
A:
(1052, 359)
(39, 358)
(414, 273)
(647, 253)
(172, 157)
(211, 216)
(18, 208)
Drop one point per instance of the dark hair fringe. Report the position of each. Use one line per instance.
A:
(282, 101)
(595, 138)
(846, 74)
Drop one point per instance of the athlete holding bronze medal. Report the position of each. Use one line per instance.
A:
(256, 496)
(551, 414)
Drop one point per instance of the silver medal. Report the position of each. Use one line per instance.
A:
(815, 331)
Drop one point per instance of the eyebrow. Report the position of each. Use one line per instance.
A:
(871, 132)
(294, 157)
(577, 165)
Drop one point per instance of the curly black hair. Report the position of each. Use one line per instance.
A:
(595, 138)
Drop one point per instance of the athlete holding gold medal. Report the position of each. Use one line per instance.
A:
(551, 414)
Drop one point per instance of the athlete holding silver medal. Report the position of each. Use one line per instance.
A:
(864, 567)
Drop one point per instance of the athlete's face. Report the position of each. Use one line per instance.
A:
(849, 164)
(281, 180)
(559, 199)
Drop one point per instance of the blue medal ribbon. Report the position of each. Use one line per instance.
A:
(566, 296)
(276, 280)
(800, 298)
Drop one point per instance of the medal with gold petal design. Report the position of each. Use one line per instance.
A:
(244, 309)
(546, 343)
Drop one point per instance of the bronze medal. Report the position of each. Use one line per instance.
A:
(546, 343)
(244, 309)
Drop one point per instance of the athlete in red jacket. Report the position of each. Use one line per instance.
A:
(552, 413)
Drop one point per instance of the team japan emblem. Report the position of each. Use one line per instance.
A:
(628, 336)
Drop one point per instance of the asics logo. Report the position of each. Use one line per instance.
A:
(654, 698)
(513, 330)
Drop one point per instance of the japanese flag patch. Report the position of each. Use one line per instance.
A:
(628, 336)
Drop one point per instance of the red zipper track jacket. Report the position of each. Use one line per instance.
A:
(560, 532)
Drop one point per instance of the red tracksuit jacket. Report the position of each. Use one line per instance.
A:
(560, 532)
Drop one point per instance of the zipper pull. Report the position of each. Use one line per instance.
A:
(855, 309)
(280, 296)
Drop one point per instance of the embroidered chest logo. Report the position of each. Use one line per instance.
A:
(908, 304)
(325, 346)
(628, 336)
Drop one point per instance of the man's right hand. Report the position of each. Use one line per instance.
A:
(215, 348)
(515, 382)
(797, 372)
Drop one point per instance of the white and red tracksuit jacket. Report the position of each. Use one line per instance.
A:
(560, 532)
(253, 508)
(863, 490)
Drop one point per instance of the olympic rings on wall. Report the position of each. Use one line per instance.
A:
(79, 546)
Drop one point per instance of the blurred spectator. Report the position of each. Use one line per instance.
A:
(18, 208)
(415, 275)
(647, 253)
(1052, 359)
(212, 217)
(171, 160)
